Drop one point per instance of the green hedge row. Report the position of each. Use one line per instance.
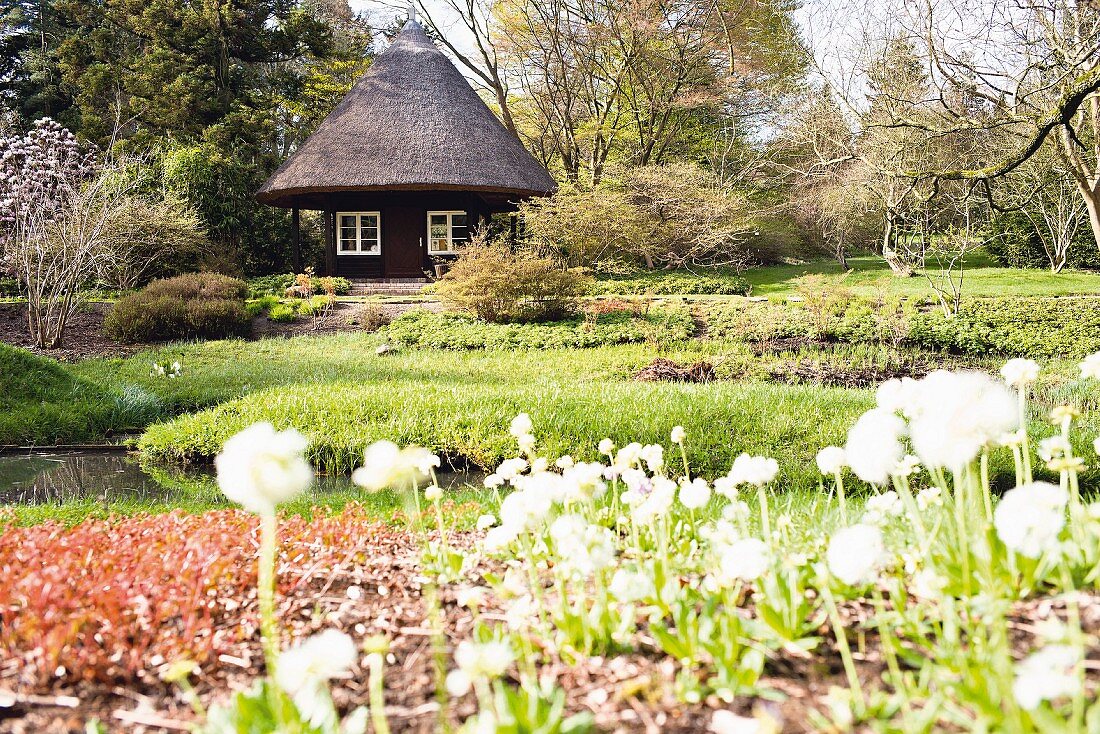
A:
(1029, 327)
(421, 328)
(672, 282)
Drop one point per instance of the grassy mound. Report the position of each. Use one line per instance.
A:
(42, 402)
(469, 420)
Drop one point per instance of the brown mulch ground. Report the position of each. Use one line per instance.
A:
(665, 370)
(374, 587)
(84, 335)
(85, 338)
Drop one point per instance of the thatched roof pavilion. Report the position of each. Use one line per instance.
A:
(405, 166)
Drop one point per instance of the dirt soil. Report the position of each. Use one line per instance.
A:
(85, 338)
(376, 588)
(84, 335)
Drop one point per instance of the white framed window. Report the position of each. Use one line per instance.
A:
(358, 233)
(448, 232)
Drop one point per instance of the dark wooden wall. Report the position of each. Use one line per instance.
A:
(404, 230)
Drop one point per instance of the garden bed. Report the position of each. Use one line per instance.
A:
(84, 336)
(343, 571)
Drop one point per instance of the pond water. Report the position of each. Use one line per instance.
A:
(45, 477)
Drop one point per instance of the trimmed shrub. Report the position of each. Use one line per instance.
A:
(194, 306)
(673, 282)
(500, 286)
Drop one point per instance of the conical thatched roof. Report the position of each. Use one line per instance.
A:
(411, 123)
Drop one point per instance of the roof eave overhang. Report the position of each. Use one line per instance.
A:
(304, 197)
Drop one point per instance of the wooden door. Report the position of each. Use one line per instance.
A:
(402, 242)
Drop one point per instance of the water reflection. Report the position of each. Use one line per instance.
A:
(46, 477)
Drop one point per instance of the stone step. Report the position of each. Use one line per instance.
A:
(386, 286)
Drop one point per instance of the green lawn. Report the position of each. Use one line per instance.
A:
(869, 275)
(344, 395)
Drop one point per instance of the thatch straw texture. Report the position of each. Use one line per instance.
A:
(411, 123)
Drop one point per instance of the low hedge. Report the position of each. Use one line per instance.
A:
(1026, 327)
(193, 306)
(422, 328)
(673, 282)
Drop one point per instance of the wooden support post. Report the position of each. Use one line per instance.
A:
(296, 225)
(512, 225)
(330, 242)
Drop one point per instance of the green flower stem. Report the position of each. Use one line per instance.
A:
(684, 456)
(841, 639)
(269, 632)
(376, 664)
(765, 520)
(841, 498)
(1025, 447)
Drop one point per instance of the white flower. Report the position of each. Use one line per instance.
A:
(1090, 367)
(746, 559)
(386, 465)
(957, 414)
(874, 445)
(1055, 447)
(260, 467)
(678, 434)
(304, 669)
(509, 469)
(470, 596)
(755, 470)
(929, 497)
(1045, 675)
(855, 553)
(726, 487)
(566, 462)
(484, 522)
(656, 503)
(606, 446)
(1029, 518)
(1096, 445)
(526, 442)
(323, 656)
(896, 396)
(1020, 373)
(628, 455)
(908, 466)
(880, 508)
(493, 481)
(727, 722)
(694, 494)
(433, 493)
(628, 586)
(500, 537)
(928, 585)
(831, 460)
(483, 660)
(653, 456)
(521, 425)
